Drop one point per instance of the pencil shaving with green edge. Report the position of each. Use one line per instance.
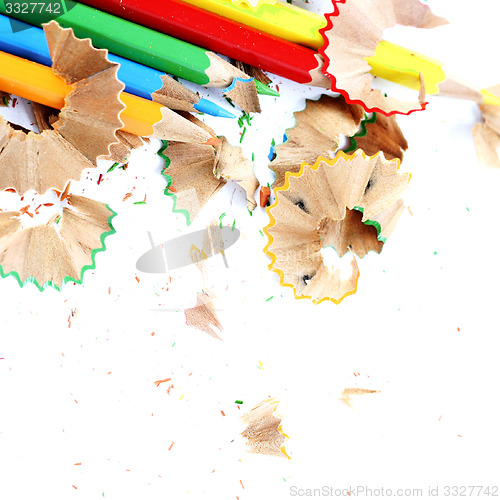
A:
(52, 254)
(196, 172)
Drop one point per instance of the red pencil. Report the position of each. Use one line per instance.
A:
(219, 34)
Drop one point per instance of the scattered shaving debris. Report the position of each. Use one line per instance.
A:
(203, 316)
(346, 396)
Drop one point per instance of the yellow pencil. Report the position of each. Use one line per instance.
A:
(392, 62)
(282, 19)
(38, 83)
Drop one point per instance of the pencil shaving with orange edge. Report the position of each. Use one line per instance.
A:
(84, 129)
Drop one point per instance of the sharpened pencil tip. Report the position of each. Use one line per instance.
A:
(490, 98)
(211, 108)
(265, 90)
(213, 141)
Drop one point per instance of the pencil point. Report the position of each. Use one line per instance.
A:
(490, 98)
(211, 108)
(213, 141)
(265, 90)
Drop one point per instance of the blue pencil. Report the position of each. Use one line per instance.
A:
(29, 42)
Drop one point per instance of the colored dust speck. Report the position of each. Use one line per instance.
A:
(245, 117)
(181, 397)
(267, 300)
(435, 253)
(261, 366)
(239, 402)
(139, 202)
(222, 413)
(173, 344)
(467, 208)
(261, 232)
(234, 224)
(265, 192)
(243, 135)
(158, 382)
(220, 219)
(458, 330)
(110, 169)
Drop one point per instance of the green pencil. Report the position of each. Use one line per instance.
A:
(140, 44)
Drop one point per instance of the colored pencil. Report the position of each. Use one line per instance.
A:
(142, 45)
(217, 33)
(38, 83)
(139, 80)
(281, 19)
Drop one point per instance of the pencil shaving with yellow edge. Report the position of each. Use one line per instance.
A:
(264, 432)
(350, 203)
(353, 34)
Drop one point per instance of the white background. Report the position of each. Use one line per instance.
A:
(422, 329)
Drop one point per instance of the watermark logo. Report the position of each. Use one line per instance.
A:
(188, 249)
(22, 14)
